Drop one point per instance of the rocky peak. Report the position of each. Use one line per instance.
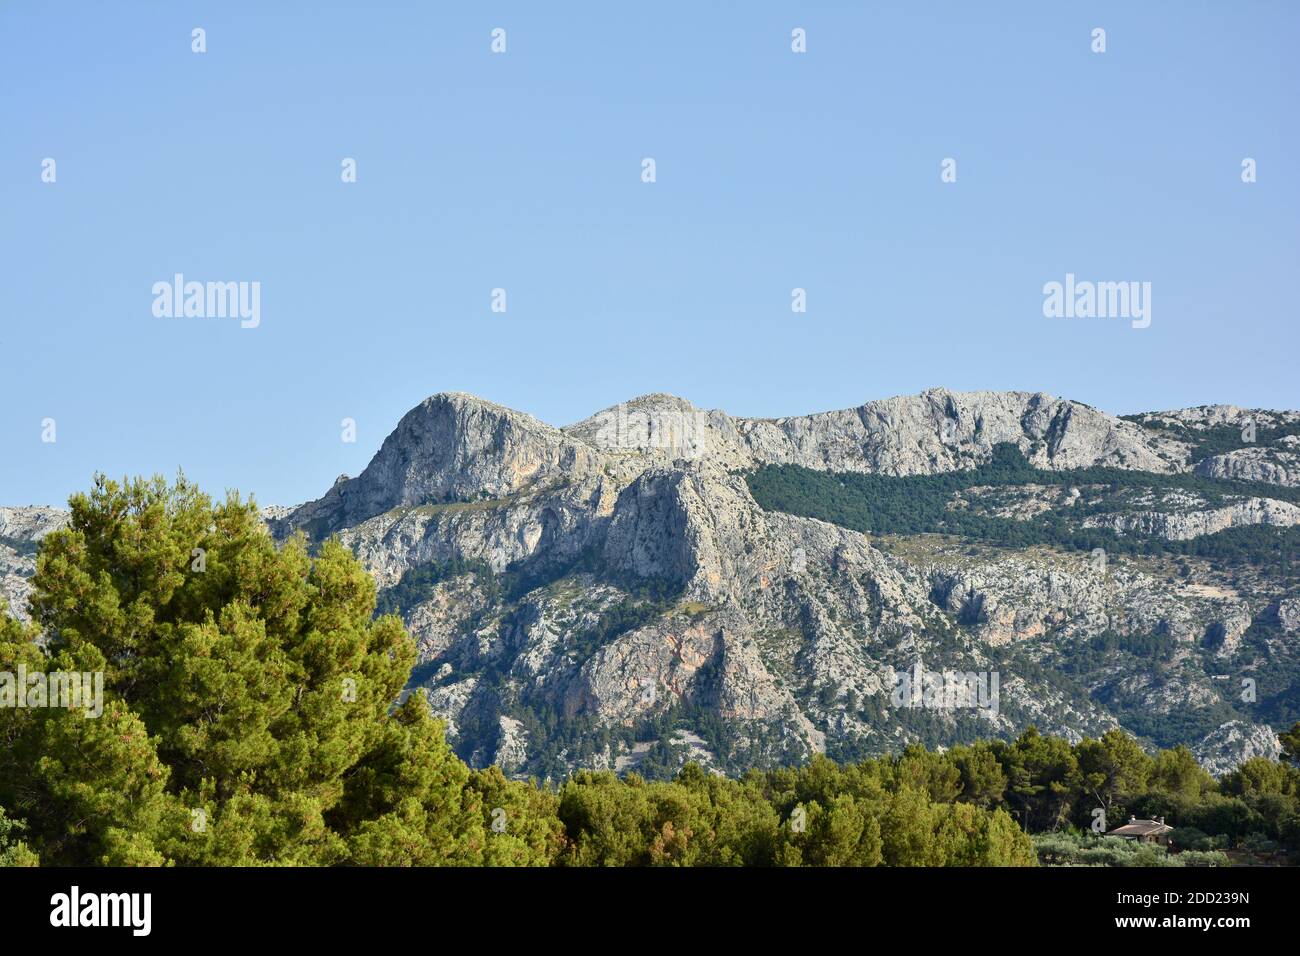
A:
(664, 427)
(452, 447)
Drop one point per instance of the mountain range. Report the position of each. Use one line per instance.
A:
(660, 583)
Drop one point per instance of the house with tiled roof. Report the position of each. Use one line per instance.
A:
(1144, 831)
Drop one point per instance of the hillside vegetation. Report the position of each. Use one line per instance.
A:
(251, 717)
(916, 504)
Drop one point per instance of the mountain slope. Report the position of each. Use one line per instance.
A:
(627, 591)
(629, 596)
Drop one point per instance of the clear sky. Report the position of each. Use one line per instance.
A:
(523, 171)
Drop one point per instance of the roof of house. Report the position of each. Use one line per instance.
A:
(1140, 828)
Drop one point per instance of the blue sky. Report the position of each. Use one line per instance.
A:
(522, 171)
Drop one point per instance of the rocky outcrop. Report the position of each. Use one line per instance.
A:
(935, 431)
(451, 448)
(1204, 417)
(1274, 460)
(512, 744)
(1287, 614)
(1183, 526)
(940, 430)
(21, 531)
(1234, 743)
(664, 428)
(1276, 464)
(31, 523)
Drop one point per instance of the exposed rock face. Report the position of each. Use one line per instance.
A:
(439, 620)
(940, 430)
(787, 630)
(1287, 613)
(1020, 503)
(1234, 743)
(1203, 417)
(30, 523)
(452, 447)
(663, 428)
(512, 746)
(1227, 629)
(21, 531)
(1184, 526)
(935, 431)
(619, 571)
(1277, 464)
(1014, 599)
(1269, 445)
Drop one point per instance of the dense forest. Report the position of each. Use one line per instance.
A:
(249, 718)
(917, 504)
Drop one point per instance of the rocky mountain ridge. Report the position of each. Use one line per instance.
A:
(611, 594)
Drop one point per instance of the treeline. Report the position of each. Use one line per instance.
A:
(957, 807)
(1050, 785)
(918, 504)
(248, 718)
